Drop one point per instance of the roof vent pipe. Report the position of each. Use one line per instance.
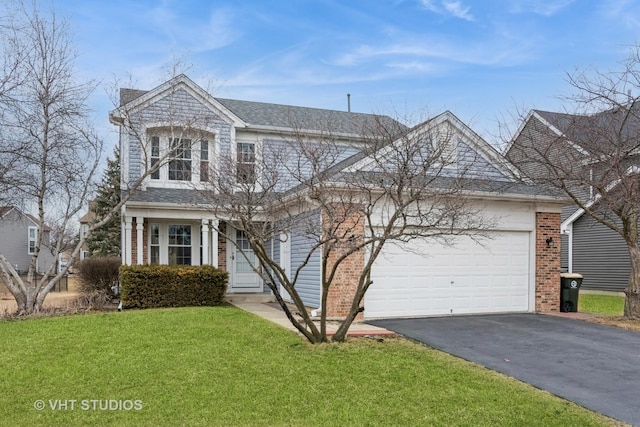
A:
(349, 102)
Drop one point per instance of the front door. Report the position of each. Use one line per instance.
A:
(242, 258)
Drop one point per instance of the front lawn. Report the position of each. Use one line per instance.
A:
(221, 366)
(608, 305)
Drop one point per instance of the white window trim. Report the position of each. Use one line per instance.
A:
(164, 136)
(163, 228)
(258, 160)
(34, 240)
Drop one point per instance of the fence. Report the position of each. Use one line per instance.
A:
(61, 286)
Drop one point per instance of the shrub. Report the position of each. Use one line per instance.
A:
(147, 286)
(98, 274)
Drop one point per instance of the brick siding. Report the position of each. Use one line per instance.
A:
(547, 262)
(345, 282)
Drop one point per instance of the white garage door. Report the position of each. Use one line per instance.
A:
(463, 279)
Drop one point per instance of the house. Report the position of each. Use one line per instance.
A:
(588, 247)
(85, 221)
(19, 233)
(166, 221)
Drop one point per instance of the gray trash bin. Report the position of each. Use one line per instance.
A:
(569, 291)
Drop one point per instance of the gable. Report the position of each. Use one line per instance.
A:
(460, 150)
(179, 99)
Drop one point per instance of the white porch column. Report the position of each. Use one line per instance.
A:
(206, 258)
(123, 242)
(139, 242)
(214, 243)
(127, 239)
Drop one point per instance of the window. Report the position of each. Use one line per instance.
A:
(84, 229)
(32, 238)
(179, 245)
(155, 156)
(246, 163)
(180, 165)
(204, 161)
(154, 244)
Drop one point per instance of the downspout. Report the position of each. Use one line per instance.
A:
(568, 231)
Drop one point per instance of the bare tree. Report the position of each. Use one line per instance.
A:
(591, 153)
(49, 152)
(400, 186)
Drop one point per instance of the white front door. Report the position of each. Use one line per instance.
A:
(241, 259)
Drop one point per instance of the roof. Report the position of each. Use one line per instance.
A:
(595, 133)
(6, 209)
(263, 114)
(286, 116)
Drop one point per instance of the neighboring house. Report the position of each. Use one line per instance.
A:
(85, 222)
(19, 233)
(588, 247)
(166, 222)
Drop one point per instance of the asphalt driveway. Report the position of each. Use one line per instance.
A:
(595, 366)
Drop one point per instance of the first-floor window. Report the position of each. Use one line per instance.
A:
(154, 244)
(179, 244)
(33, 238)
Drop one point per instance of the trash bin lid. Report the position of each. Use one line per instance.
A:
(571, 275)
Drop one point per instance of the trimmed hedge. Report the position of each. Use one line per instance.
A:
(149, 286)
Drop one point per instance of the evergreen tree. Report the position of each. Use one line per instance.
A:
(105, 241)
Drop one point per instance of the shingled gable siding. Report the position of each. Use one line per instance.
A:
(175, 109)
(476, 166)
(547, 262)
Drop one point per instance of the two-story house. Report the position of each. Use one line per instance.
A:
(168, 221)
(582, 145)
(19, 233)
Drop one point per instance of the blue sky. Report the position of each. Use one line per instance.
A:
(406, 58)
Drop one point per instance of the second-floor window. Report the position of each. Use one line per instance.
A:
(204, 161)
(32, 239)
(180, 163)
(179, 160)
(246, 163)
(155, 156)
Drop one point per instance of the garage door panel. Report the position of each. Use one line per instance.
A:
(433, 279)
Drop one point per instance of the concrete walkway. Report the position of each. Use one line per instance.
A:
(276, 315)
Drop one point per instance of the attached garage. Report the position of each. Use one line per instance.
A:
(427, 278)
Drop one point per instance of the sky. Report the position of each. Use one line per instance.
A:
(411, 59)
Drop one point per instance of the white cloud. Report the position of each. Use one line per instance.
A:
(453, 8)
(456, 9)
(540, 7)
(196, 33)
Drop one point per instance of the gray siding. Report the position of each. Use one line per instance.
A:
(176, 109)
(601, 255)
(291, 166)
(14, 228)
(475, 166)
(308, 284)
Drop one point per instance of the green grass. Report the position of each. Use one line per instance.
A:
(221, 366)
(611, 305)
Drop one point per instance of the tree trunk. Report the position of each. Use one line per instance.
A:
(632, 300)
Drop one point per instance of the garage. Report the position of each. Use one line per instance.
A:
(431, 279)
